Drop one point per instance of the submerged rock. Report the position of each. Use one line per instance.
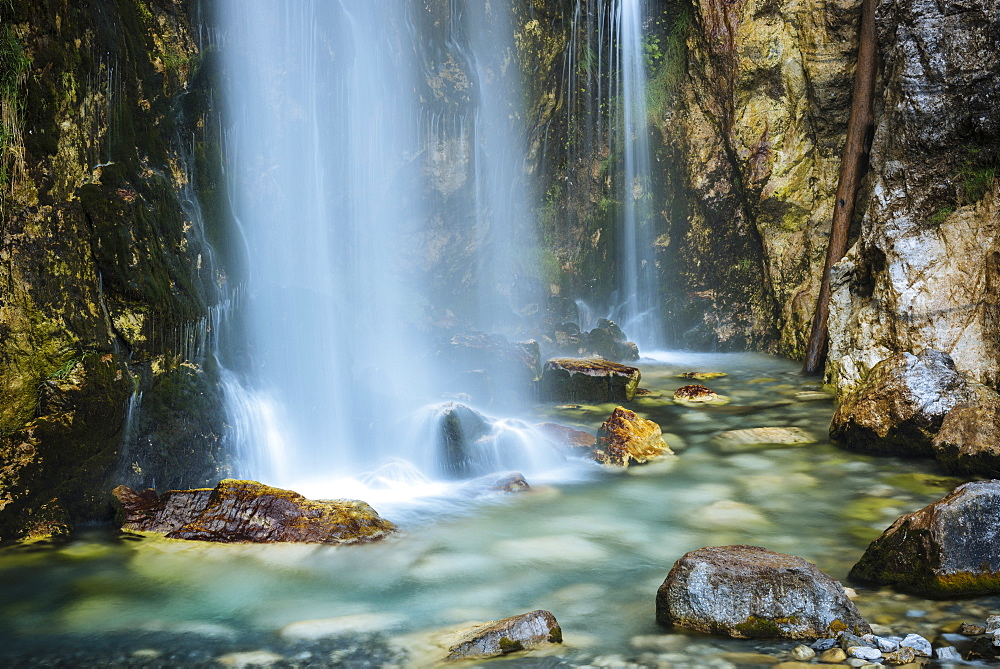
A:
(249, 512)
(564, 436)
(588, 380)
(460, 428)
(509, 635)
(695, 394)
(755, 438)
(899, 407)
(506, 482)
(701, 376)
(748, 591)
(626, 438)
(949, 548)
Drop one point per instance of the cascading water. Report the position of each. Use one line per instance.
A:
(606, 102)
(329, 152)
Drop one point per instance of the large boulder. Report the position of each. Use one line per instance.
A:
(500, 637)
(588, 380)
(748, 591)
(459, 430)
(249, 512)
(949, 548)
(969, 439)
(626, 438)
(899, 407)
(608, 341)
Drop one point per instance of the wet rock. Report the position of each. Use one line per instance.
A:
(507, 482)
(992, 624)
(701, 376)
(919, 644)
(886, 645)
(747, 591)
(968, 441)
(250, 512)
(823, 644)
(947, 654)
(983, 649)
(608, 341)
(904, 655)
(588, 380)
(626, 438)
(459, 429)
(695, 393)
(949, 548)
(833, 656)
(566, 437)
(864, 653)
(500, 637)
(847, 640)
(756, 438)
(803, 653)
(971, 630)
(899, 407)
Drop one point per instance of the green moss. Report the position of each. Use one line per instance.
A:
(977, 174)
(941, 215)
(509, 645)
(765, 628)
(666, 59)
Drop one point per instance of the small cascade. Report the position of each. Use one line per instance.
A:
(606, 110)
(345, 160)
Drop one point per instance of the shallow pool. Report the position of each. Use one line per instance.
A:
(592, 550)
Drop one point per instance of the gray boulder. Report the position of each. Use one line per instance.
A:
(969, 439)
(748, 591)
(588, 380)
(949, 548)
(500, 637)
(900, 405)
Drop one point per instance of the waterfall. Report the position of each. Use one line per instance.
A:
(344, 162)
(604, 89)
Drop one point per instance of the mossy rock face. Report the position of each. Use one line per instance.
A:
(750, 592)
(947, 549)
(249, 512)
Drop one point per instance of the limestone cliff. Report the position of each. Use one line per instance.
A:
(107, 276)
(926, 267)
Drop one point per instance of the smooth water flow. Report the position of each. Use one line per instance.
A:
(336, 155)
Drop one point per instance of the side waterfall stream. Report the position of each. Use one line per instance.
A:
(592, 551)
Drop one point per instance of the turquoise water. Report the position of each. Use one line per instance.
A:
(593, 551)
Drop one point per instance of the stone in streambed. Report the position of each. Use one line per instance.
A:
(566, 437)
(626, 438)
(695, 394)
(501, 637)
(499, 482)
(748, 591)
(949, 548)
(901, 404)
(249, 512)
(588, 380)
(759, 438)
(701, 376)
(969, 439)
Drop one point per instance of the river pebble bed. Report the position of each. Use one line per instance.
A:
(592, 549)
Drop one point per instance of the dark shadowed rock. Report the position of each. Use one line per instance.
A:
(948, 548)
(608, 341)
(249, 512)
(969, 439)
(747, 592)
(627, 438)
(459, 429)
(521, 632)
(899, 407)
(588, 380)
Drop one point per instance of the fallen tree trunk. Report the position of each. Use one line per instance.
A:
(851, 168)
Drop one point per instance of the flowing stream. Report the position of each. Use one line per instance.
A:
(592, 551)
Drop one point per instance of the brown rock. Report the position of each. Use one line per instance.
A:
(969, 629)
(627, 438)
(507, 482)
(969, 439)
(695, 393)
(588, 380)
(899, 407)
(904, 655)
(509, 635)
(747, 592)
(949, 548)
(250, 512)
(833, 656)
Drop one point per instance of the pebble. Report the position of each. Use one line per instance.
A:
(886, 644)
(833, 656)
(919, 644)
(971, 630)
(996, 638)
(847, 640)
(864, 653)
(802, 652)
(948, 654)
(904, 655)
(823, 644)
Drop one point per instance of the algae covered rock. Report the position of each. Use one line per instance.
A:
(626, 438)
(949, 548)
(250, 512)
(588, 380)
(969, 439)
(696, 394)
(899, 407)
(748, 592)
(500, 637)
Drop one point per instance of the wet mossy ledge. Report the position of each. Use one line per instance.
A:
(107, 278)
